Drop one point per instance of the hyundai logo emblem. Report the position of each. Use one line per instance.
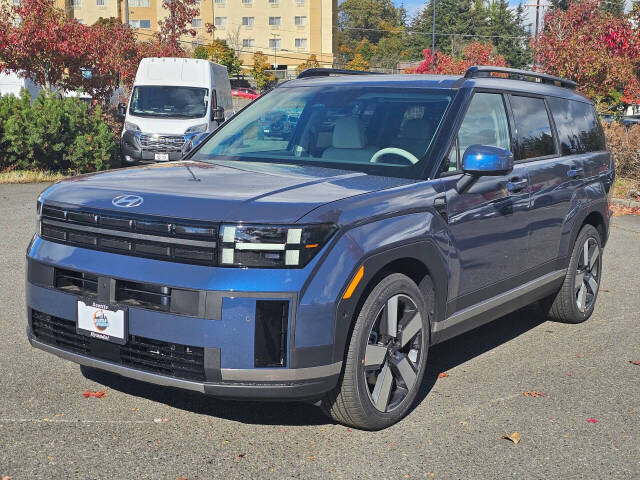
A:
(127, 201)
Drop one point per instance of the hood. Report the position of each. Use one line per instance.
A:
(222, 191)
(165, 126)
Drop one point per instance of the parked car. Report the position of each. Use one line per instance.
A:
(173, 99)
(249, 93)
(277, 123)
(630, 120)
(402, 211)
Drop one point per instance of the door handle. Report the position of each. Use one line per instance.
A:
(575, 172)
(517, 185)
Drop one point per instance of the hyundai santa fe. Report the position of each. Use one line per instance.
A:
(399, 212)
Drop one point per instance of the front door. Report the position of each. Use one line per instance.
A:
(488, 224)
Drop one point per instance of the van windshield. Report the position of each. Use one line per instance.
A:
(169, 101)
(379, 130)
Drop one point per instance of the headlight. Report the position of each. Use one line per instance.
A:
(131, 127)
(291, 246)
(196, 129)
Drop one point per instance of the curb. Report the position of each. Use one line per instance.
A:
(626, 202)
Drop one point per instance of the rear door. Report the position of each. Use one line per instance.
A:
(488, 223)
(556, 182)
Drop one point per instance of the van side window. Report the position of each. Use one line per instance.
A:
(579, 130)
(533, 129)
(485, 123)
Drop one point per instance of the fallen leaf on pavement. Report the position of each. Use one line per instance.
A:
(635, 362)
(89, 393)
(241, 455)
(592, 420)
(619, 210)
(4, 477)
(133, 409)
(533, 394)
(443, 375)
(514, 437)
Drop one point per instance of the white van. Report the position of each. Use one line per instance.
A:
(12, 84)
(173, 100)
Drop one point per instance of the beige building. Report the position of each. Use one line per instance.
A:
(287, 31)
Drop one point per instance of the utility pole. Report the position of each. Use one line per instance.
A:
(275, 51)
(433, 34)
(537, 15)
(126, 12)
(68, 9)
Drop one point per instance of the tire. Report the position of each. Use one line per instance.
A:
(575, 301)
(383, 372)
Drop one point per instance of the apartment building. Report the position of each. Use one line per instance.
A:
(288, 31)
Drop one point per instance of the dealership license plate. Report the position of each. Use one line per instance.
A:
(162, 156)
(102, 321)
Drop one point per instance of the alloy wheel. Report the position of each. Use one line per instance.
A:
(587, 275)
(394, 353)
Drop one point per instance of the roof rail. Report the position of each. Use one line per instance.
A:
(325, 72)
(515, 74)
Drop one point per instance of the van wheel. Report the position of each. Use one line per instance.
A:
(575, 301)
(386, 358)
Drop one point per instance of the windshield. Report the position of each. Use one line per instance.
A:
(378, 130)
(169, 101)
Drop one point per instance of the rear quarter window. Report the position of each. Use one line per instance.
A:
(579, 130)
(533, 128)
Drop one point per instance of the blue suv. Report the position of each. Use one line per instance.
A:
(322, 265)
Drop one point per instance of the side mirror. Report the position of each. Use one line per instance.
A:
(122, 111)
(218, 115)
(483, 160)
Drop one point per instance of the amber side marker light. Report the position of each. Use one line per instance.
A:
(354, 283)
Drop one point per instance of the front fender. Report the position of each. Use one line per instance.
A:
(324, 319)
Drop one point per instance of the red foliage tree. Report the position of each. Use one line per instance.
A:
(38, 42)
(473, 54)
(596, 49)
(176, 25)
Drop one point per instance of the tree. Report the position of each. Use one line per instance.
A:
(311, 62)
(219, 52)
(358, 63)
(39, 42)
(369, 19)
(600, 51)
(259, 71)
(459, 22)
(474, 54)
(201, 52)
(176, 25)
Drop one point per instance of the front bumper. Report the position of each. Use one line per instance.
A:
(267, 384)
(133, 153)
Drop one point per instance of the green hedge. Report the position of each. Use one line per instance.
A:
(53, 134)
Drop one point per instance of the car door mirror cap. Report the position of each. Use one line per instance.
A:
(485, 160)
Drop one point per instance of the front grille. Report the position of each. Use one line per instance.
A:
(146, 295)
(176, 241)
(161, 143)
(169, 359)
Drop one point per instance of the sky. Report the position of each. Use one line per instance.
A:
(413, 6)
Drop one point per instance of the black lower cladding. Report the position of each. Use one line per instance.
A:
(170, 359)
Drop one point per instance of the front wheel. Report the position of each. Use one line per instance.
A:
(386, 359)
(575, 301)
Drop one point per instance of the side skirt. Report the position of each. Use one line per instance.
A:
(495, 307)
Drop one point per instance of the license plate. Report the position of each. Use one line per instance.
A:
(162, 156)
(102, 321)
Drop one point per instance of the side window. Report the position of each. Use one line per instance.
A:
(485, 123)
(579, 130)
(533, 129)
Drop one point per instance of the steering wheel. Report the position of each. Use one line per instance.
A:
(394, 151)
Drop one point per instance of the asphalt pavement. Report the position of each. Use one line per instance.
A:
(586, 423)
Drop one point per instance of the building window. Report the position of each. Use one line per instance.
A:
(138, 3)
(196, 23)
(299, 2)
(274, 21)
(248, 21)
(247, 2)
(248, 42)
(274, 2)
(80, 21)
(219, 2)
(220, 22)
(145, 23)
(274, 43)
(101, 3)
(300, 21)
(76, 3)
(301, 43)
